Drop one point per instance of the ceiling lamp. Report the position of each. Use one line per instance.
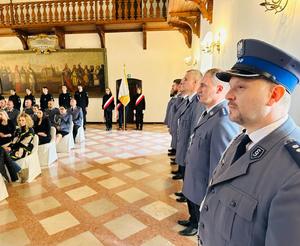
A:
(277, 5)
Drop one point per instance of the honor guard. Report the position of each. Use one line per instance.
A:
(139, 109)
(82, 98)
(253, 196)
(45, 98)
(15, 99)
(108, 105)
(64, 97)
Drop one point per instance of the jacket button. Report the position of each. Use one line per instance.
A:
(202, 225)
(233, 203)
(212, 190)
(200, 241)
(205, 207)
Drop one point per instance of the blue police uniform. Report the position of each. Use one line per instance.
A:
(254, 200)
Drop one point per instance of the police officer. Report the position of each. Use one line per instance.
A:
(64, 98)
(82, 98)
(15, 99)
(253, 196)
(210, 137)
(167, 120)
(45, 98)
(188, 117)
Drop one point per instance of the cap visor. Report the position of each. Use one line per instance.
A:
(226, 76)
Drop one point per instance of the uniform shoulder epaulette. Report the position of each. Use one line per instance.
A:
(293, 147)
(223, 111)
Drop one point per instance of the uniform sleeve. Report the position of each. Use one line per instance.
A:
(284, 215)
(87, 99)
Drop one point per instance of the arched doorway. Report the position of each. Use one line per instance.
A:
(132, 85)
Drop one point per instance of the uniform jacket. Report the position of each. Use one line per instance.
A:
(255, 200)
(31, 97)
(77, 115)
(142, 105)
(82, 99)
(167, 120)
(186, 123)
(13, 115)
(208, 141)
(63, 122)
(111, 105)
(51, 113)
(178, 106)
(64, 99)
(44, 100)
(16, 100)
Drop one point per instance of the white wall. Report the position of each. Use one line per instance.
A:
(247, 19)
(157, 66)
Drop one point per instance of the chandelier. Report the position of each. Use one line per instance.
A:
(276, 5)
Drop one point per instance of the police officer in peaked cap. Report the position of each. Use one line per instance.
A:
(253, 197)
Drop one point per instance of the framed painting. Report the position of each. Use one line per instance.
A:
(71, 67)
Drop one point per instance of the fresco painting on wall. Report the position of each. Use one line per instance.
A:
(25, 69)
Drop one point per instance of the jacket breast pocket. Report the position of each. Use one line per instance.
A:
(234, 216)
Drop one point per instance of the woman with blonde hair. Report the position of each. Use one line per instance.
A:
(7, 128)
(22, 143)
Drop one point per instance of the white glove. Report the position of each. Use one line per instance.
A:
(143, 111)
(134, 111)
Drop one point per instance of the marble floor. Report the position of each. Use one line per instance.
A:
(114, 189)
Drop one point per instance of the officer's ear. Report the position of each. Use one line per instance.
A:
(220, 88)
(277, 92)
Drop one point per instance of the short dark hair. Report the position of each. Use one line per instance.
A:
(177, 81)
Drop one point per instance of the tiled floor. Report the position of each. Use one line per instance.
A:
(115, 189)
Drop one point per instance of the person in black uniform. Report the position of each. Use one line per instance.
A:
(42, 128)
(82, 99)
(120, 114)
(29, 96)
(64, 98)
(139, 108)
(108, 106)
(45, 98)
(15, 98)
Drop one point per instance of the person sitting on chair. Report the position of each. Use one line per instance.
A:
(77, 116)
(7, 128)
(62, 123)
(42, 128)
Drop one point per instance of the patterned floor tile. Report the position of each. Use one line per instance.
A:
(125, 226)
(43, 205)
(96, 173)
(14, 237)
(119, 167)
(132, 195)
(137, 174)
(85, 238)
(59, 222)
(158, 240)
(111, 183)
(64, 182)
(159, 210)
(81, 192)
(7, 216)
(99, 207)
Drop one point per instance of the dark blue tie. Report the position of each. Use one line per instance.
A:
(241, 149)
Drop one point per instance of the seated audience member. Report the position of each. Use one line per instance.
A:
(11, 166)
(12, 112)
(7, 128)
(51, 111)
(63, 123)
(28, 107)
(15, 98)
(77, 116)
(29, 96)
(42, 128)
(2, 103)
(35, 109)
(22, 144)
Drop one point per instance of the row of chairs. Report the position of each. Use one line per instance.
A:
(45, 155)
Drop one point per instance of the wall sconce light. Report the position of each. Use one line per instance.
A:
(212, 43)
(277, 5)
(190, 61)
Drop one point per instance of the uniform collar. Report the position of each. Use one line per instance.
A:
(261, 133)
(212, 107)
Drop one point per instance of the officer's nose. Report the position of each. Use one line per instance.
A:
(230, 95)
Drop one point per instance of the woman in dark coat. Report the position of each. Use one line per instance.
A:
(108, 106)
(42, 128)
(7, 128)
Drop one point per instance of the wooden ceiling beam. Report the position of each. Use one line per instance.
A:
(144, 37)
(205, 7)
(101, 33)
(23, 36)
(60, 33)
(185, 30)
